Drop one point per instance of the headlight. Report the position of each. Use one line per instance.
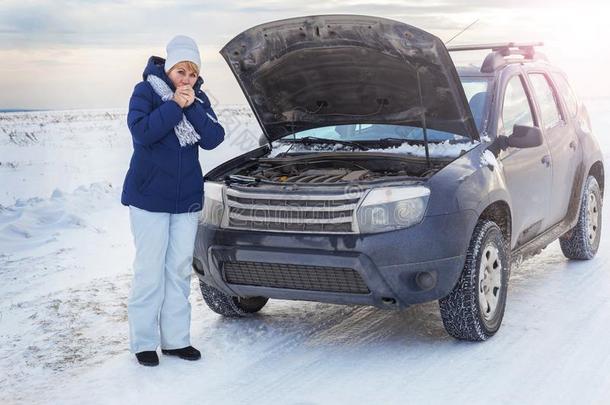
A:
(386, 209)
(213, 206)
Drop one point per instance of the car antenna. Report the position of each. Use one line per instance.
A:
(423, 118)
(462, 31)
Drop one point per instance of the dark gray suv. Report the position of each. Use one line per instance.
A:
(388, 177)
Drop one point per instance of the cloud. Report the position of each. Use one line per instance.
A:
(100, 46)
(124, 23)
(39, 24)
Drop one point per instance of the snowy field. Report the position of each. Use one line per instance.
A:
(65, 268)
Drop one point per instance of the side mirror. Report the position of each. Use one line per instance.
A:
(525, 137)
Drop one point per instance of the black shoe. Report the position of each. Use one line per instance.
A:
(148, 358)
(186, 353)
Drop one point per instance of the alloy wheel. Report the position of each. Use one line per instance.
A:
(593, 214)
(490, 281)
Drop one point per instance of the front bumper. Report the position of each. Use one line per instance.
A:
(388, 263)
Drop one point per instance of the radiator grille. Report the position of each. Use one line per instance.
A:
(296, 277)
(332, 213)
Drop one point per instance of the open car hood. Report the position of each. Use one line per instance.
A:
(315, 71)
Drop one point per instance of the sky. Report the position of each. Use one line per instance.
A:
(72, 54)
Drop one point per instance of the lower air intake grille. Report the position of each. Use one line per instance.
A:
(296, 277)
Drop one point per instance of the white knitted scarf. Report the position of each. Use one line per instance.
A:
(184, 130)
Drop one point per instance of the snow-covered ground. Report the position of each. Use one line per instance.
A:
(65, 268)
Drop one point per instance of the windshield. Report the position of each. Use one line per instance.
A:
(475, 89)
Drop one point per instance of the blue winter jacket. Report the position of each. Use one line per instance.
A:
(162, 175)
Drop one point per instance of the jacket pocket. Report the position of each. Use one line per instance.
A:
(148, 179)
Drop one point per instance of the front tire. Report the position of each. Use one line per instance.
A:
(475, 307)
(227, 305)
(582, 241)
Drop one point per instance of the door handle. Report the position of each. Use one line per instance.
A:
(573, 145)
(546, 160)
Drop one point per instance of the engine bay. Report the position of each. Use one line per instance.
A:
(335, 168)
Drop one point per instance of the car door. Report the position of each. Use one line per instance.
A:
(527, 172)
(562, 142)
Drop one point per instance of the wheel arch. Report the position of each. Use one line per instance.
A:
(500, 213)
(597, 171)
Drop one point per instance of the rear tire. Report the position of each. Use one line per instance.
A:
(582, 241)
(474, 309)
(227, 305)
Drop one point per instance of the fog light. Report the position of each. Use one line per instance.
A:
(425, 280)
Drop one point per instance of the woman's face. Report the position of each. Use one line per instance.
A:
(182, 75)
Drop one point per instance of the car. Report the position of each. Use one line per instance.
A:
(388, 177)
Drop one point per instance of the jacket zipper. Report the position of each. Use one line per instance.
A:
(179, 177)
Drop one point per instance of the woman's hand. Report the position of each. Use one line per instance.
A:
(185, 94)
(180, 99)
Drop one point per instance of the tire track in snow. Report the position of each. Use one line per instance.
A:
(300, 356)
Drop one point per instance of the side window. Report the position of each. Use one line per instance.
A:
(566, 92)
(546, 100)
(516, 107)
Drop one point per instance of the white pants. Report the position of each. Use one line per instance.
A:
(159, 310)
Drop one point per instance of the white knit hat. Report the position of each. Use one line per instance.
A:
(182, 48)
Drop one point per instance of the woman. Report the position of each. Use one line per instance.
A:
(169, 119)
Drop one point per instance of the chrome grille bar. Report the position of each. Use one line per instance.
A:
(291, 220)
(291, 212)
(346, 207)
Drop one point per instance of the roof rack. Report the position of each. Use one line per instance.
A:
(500, 51)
